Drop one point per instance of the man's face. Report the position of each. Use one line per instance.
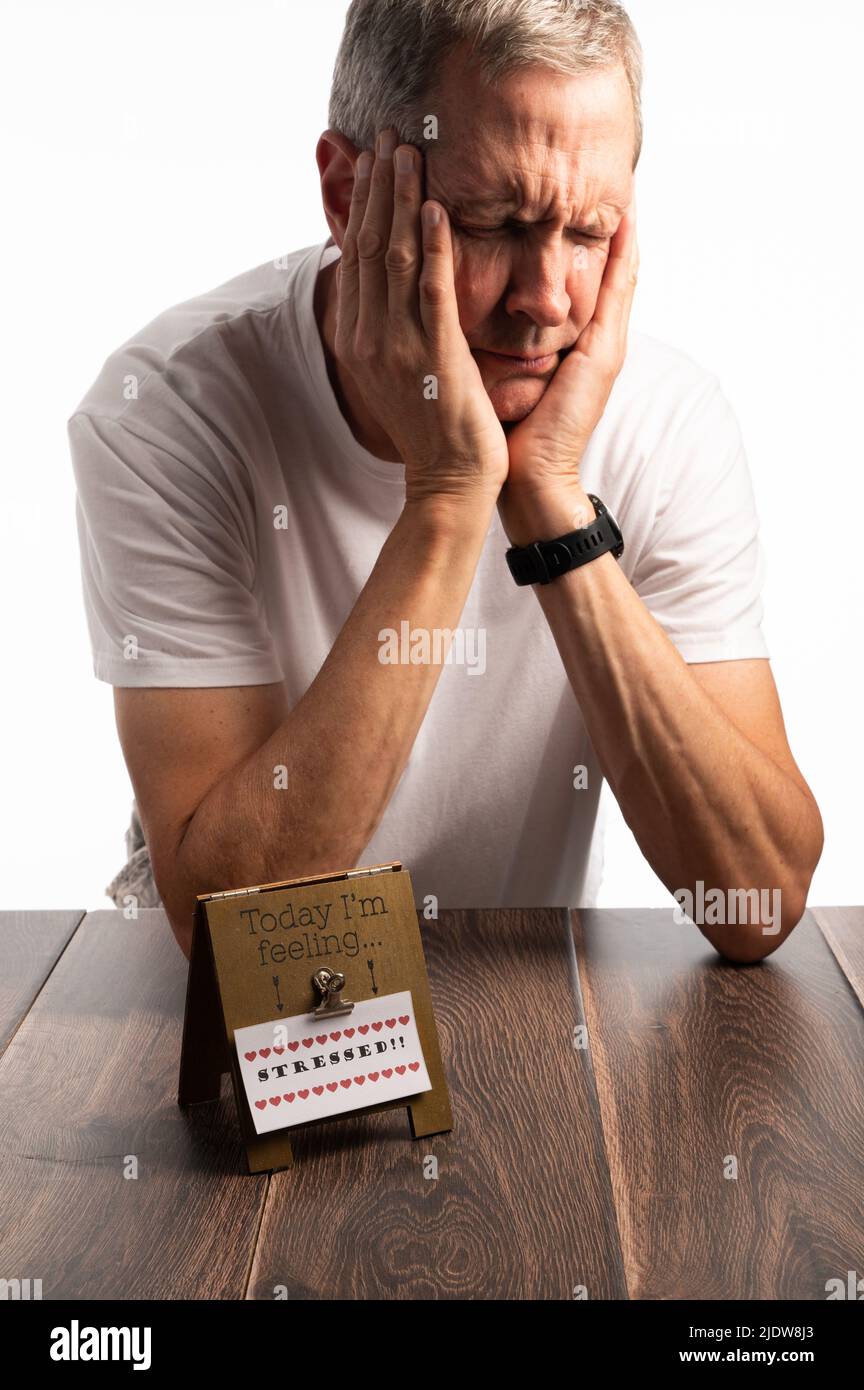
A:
(535, 175)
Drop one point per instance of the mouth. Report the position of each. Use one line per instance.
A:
(531, 366)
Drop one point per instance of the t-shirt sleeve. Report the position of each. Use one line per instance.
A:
(167, 543)
(702, 571)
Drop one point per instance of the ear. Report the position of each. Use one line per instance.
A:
(336, 156)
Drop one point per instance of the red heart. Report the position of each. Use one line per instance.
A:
(400, 1071)
(321, 1038)
(346, 1082)
(363, 1028)
(278, 1051)
(377, 1027)
(303, 1094)
(275, 1100)
(265, 1051)
(359, 1080)
(260, 1105)
(403, 1019)
(250, 1056)
(294, 1046)
(388, 1072)
(289, 1096)
(391, 1022)
(373, 1075)
(308, 1042)
(413, 1066)
(332, 1086)
(319, 1090)
(349, 1032)
(334, 1037)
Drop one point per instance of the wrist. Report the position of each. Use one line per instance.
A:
(444, 518)
(544, 514)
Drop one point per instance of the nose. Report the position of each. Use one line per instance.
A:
(538, 278)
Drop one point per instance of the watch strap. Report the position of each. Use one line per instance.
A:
(544, 561)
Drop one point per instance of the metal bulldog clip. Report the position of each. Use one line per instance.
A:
(328, 984)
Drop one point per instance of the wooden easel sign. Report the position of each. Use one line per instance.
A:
(313, 993)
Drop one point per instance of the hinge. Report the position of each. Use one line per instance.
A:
(230, 893)
(368, 873)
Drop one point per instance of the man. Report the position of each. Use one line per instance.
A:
(294, 491)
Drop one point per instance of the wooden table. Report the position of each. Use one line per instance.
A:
(608, 1166)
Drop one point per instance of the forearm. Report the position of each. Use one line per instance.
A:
(704, 803)
(345, 744)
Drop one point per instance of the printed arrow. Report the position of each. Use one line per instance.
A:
(279, 1005)
(371, 965)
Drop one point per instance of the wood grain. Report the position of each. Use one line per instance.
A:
(697, 1060)
(89, 1079)
(521, 1207)
(30, 945)
(843, 929)
(691, 1061)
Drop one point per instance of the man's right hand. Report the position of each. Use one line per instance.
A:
(398, 326)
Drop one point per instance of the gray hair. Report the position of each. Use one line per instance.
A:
(392, 51)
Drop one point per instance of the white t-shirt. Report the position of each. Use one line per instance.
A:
(221, 411)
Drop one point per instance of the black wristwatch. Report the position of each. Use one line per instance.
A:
(544, 561)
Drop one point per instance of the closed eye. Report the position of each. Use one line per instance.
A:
(520, 228)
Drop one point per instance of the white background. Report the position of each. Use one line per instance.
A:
(154, 151)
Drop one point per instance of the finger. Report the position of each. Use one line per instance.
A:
(403, 254)
(438, 308)
(620, 275)
(373, 237)
(349, 268)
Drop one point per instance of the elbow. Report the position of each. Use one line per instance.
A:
(177, 898)
(180, 912)
(752, 941)
(750, 924)
(746, 925)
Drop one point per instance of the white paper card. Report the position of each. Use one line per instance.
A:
(299, 1069)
